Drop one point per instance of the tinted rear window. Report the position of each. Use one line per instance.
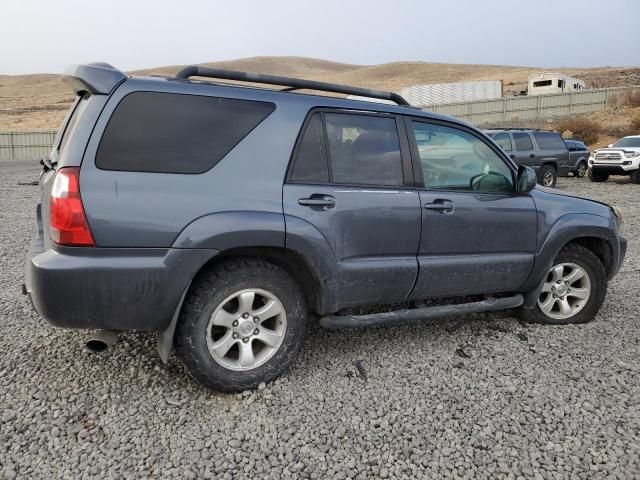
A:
(549, 141)
(522, 141)
(174, 133)
(363, 150)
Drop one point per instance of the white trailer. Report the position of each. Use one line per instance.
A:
(425, 95)
(549, 82)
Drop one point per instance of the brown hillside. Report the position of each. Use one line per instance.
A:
(39, 102)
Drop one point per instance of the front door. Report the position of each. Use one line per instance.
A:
(349, 194)
(478, 234)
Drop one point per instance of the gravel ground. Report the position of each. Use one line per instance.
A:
(481, 396)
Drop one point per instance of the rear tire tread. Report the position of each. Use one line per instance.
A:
(204, 286)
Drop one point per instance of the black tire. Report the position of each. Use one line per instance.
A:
(635, 176)
(547, 176)
(597, 177)
(581, 169)
(585, 258)
(207, 292)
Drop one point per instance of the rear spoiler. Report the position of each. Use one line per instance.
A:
(99, 78)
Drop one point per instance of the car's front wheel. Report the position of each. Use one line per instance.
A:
(597, 177)
(242, 324)
(572, 291)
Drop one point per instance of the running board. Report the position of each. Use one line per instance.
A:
(491, 304)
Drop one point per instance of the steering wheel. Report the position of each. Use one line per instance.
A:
(474, 182)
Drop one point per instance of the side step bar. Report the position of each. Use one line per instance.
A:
(336, 322)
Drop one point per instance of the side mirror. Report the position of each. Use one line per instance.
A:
(526, 180)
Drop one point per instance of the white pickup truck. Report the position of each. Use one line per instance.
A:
(620, 158)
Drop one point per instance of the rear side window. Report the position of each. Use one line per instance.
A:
(549, 141)
(311, 159)
(363, 150)
(174, 133)
(522, 141)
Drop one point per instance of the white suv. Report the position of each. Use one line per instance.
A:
(621, 158)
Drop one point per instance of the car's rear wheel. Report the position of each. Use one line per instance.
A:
(581, 169)
(572, 291)
(242, 324)
(547, 176)
(598, 177)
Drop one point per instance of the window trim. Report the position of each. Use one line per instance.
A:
(115, 108)
(408, 173)
(417, 168)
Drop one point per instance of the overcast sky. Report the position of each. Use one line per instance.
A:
(47, 35)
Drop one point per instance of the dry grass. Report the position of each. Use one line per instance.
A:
(599, 129)
(39, 102)
(581, 128)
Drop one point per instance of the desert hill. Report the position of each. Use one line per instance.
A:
(39, 101)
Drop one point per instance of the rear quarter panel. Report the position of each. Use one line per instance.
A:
(135, 209)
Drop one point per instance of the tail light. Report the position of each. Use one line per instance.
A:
(67, 221)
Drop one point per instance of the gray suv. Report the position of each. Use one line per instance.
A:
(545, 152)
(222, 216)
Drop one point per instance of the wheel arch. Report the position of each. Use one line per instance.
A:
(288, 260)
(592, 232)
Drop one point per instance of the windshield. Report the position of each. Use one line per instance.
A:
(628, 142)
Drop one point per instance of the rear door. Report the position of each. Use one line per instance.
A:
(350, 187)
(525, 153)
(478, 233)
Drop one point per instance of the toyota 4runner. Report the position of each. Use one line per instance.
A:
(221, 216)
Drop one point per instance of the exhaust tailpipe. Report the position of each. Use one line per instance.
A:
(101, 340)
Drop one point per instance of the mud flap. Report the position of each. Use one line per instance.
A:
(165, 337)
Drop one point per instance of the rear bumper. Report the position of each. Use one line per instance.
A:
(109, 288)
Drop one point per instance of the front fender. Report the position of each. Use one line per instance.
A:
(233, 229)
(567, 228)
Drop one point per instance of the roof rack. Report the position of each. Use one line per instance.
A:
(290, 83)
(519, 128)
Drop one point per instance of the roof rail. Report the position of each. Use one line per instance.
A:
(291, 83)
(99, 77)
(518, 128)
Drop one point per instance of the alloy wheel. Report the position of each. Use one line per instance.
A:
(565, 292)
(246, 329)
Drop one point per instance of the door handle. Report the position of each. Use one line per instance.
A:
(512, 156)
(442, 206)
(533, 155)
(318, 201)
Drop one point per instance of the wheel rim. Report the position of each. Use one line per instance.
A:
(246, 329)
(547, 179)
(582, 169)
(565, 291)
